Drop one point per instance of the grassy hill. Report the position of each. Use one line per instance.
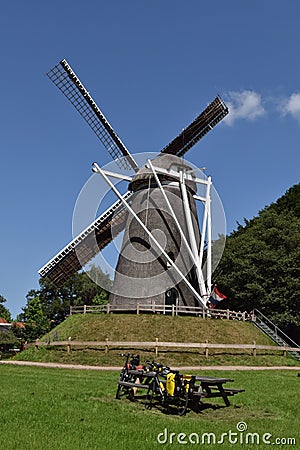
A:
(127, 327)
(98, 327)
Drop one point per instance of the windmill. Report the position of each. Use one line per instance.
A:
(162, 253)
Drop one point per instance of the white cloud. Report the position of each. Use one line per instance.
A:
(292, 106)
(245, 105)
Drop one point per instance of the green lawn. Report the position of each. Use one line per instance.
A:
(63, 409)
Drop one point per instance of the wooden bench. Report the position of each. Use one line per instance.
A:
(230, 391)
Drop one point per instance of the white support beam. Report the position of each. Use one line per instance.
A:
(203, 231)
(197, 197)
(209, 241)
(117, 175)
(191, 233)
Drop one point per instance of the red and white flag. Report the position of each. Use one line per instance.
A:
(216, 296)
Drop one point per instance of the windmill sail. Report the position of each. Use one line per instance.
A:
(87, 244)
(209, 118)
(69, 84)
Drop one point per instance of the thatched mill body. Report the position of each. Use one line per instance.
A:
(142, 268)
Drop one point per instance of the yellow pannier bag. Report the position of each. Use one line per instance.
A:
(187, 379)
(170, 383)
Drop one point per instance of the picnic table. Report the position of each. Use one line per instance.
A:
(209, 387)
(193, 388)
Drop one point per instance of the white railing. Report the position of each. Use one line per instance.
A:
(172, 310)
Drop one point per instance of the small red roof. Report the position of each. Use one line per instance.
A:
(18, 324)
(2, 320)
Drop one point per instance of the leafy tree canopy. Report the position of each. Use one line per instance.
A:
(7, 339)
(4, 312)
(51, 303)
(34, 317)
(260, 267)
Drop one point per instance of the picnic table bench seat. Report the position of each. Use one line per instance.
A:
(212, 379)
(230, 391)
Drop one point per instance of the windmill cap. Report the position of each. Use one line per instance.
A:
(170, 163)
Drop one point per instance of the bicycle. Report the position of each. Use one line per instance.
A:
(171, 388)
(167, 386)
(132, 363)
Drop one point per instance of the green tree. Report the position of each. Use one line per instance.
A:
(4, 312)
(86, 290)
(36, 322)
(260, 267)
(55, 301)
(7, 340)
(100, 299)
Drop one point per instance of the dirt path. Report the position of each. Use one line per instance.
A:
(182, 368)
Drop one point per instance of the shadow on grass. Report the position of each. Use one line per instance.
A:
(173, 406)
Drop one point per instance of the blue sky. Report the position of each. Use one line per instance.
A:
(151, 67)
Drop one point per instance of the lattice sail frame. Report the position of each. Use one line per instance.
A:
(206, 121)
(87, 244)
(69, 84)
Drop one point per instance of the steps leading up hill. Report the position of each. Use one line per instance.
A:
(276, 334)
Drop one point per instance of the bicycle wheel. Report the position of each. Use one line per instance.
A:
(120, 388)
(183, 409)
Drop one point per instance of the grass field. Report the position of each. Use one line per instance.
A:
(63, 409)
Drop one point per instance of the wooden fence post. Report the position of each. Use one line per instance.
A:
(69, 345)
(284, 352)
(206, 349)
(156, 346)
(84, 309)
(107, 308)
(106, 345)
(203, 313)
(227, 314)
(36, 343)
(254, 348)
(138, 308)
(173, 310)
